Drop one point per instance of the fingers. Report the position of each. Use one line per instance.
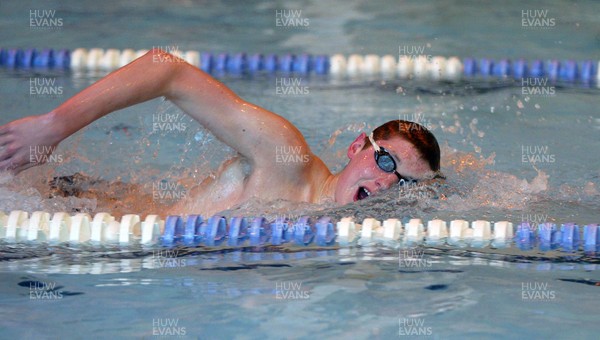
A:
(14, 165)
(16, 170)
(6, 165)
(3, 141)
(9, 158)
(6, 152)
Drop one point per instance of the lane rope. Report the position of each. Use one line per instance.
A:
(194, 230)
(437, 68)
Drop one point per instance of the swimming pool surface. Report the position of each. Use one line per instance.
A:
(508, 154)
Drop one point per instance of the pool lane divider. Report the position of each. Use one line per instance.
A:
(388, 66)
(193, 230)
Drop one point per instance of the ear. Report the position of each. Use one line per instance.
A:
(357, 145)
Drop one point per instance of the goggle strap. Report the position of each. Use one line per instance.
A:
(375, 146)
(439, 175)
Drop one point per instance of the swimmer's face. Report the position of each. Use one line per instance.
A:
(363, 178)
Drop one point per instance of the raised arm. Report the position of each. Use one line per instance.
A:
(251, 130)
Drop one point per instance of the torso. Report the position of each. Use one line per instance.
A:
(236, 181)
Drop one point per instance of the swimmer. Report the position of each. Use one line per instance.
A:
(395, 152)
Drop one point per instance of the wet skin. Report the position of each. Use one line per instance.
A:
(257, 134)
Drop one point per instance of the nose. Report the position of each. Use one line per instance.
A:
(386, 181)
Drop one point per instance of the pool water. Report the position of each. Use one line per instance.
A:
(359, 294)
(508, 154)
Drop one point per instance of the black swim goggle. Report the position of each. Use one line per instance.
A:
(386, 162)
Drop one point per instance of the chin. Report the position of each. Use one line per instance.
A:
(345, 199)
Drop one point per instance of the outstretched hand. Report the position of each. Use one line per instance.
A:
(26, 142)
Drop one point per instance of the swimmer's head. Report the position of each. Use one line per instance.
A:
(406, 151)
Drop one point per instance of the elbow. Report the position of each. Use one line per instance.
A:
(160, 56)
(168, 66)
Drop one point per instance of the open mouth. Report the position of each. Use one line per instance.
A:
(362, 193)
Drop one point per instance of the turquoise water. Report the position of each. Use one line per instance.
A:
(486, 129)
